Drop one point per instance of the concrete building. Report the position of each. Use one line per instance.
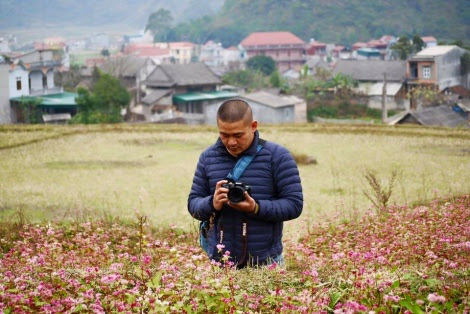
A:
(4, 45)
(31, 77)
(437, 66)
(267, 108)
(287, 50)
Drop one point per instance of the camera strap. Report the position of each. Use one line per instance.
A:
(242, 164)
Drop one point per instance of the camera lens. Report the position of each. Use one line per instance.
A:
(236, 194)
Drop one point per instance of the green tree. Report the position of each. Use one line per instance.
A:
(105, 52)
(159, 23)
(418, 43)
(403, 47)
(248, 79)
(264, 64)
(28, 110)
(104, 104)
(276, 80)
(465, 63)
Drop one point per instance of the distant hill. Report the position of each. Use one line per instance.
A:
(229, 21)
(337, 21)
(50, 14)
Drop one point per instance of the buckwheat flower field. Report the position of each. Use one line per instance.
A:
(94, 219)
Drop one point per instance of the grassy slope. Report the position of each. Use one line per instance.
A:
(66, 172)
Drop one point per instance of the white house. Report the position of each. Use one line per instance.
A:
(13, 83)
(32, 75)
(4, 47)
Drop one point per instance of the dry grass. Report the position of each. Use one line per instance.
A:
(74, 171)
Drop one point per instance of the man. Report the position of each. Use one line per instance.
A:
(251, 230)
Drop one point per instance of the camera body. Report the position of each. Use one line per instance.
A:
(236, 191)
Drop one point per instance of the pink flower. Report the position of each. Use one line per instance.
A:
(434, 297)
(110, 278)
(220, 247)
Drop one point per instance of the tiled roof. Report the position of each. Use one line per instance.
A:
(359, 45)
(271, 38)
(338, 48)
(182, 74)
(317, 44)
(427, 39)
(372, 70)
(376, 43)
(440, 116)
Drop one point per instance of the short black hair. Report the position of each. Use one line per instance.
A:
(234, 110)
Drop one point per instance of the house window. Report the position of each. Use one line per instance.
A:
(426, 72)
(44, 82)
(18, 83)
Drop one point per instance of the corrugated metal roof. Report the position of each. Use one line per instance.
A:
(198, 96)
(58, 100)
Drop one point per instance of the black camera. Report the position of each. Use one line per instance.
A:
(236, 191)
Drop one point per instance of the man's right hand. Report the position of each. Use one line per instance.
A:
(220, 195)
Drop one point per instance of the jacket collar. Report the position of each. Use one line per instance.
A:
(251, 150)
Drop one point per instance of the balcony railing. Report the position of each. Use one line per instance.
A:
(46, 91)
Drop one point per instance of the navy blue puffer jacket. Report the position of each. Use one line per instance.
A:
(275, 186)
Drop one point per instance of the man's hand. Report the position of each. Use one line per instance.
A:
(220, 195)
(247, 206)
(221, 198)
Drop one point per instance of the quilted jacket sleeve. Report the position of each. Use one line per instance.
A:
(200, 198)
(289, 201)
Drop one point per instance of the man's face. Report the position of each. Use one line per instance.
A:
(237, 136)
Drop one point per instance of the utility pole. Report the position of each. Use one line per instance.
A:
(384, 97)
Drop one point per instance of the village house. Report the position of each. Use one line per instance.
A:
(219, 59)
(287, 50)
(316, 48)
(155, 52)
(182, 90)
(370, 76)
(437, 66)
(30, 77)
(267, 108)
(442, 115)
(183, 52)
(212, 54)
(315, 64)
(4, 45)
(429, 41)
(140, 38)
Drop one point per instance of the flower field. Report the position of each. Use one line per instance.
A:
(400, 260)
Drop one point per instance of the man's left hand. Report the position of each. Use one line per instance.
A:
(247, 206)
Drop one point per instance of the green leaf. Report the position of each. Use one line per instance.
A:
(155, 281)
(395, 284)
(334, 298)
(130, 298)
